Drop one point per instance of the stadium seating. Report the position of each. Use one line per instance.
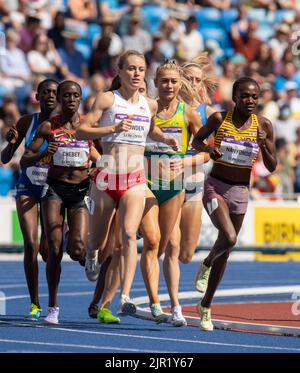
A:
(208, 17)
(155, 14)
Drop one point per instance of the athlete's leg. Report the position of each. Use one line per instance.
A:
(151, 236)
(100, 218)
(78, 232)
(227, 237)
(112, 279)
(168, 214)
(43, 248)
(27, 208)
(131, 208)
(53, 215)
(171, 264)
(191, 212)
(219, 265)
(110, 245)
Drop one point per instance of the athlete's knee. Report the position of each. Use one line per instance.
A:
(54, 249)
(231, 239)
(152, 242)
(31, 249)
(76, 250)
(185, 257)
(129, 235)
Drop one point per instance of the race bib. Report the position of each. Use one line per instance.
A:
(238, 152)
(37, 174)
(138, 129)
(160, 147)
(69, 156)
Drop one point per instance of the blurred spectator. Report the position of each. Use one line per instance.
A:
(265, 60)
(14, 69)
(31, 29)
(74, 66)
(240, 26)
(296, 153)
(289, 114)
(9, 112)
(137, 38)
(154, 58)
(247, 44)
(190, 42)
(43, 58)
(219, 4)
(42, 10)
(101, 61)
(281, 40)
(155, 55)
(287, 74)
(225, 84)
(97, 84)
(134, 8)
(55, 33)
(268, 107)
(107, 23)
(284, 170)
(83, 10)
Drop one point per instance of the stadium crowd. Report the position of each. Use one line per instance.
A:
(82, 40)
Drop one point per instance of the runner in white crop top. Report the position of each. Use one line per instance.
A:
(126, 118)
(140, 115)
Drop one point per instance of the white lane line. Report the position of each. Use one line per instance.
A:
(288, 289)
(92, 347)
(66, 294)
(144, 337)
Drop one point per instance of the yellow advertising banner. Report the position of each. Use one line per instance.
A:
(277, 226)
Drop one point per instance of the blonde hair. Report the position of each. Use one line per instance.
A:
(187, 92)
(209, 82)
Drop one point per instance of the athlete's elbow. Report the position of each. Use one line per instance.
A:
(272, 166)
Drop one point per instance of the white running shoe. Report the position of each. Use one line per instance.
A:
(201, 279)
(205, 318)
(52, 315)
(127, 305)
(177, 318)
(92, 268)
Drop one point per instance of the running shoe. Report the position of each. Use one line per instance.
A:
(92, 268)
(177, 318)
(201, 278)
(158, 314)
(35, 312)
(105, 315)
(205, 318)
(93, 310)
(127, 305)
(52, 315)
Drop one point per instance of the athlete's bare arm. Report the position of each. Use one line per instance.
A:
(32, 154)
(89, 128)
(212, 125)
(194, 123)
(155, 133)
(265, 140)
(15, 136)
